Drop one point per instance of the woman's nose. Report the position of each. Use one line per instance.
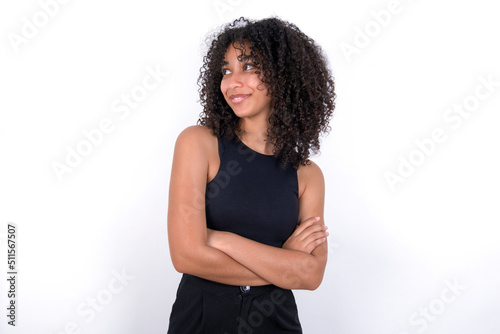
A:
(235, 80)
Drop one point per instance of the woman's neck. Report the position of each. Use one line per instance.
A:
(254, 134)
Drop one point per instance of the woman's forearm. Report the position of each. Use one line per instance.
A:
(289, 269)
(215, 265)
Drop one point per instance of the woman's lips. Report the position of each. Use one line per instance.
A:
(236, 99)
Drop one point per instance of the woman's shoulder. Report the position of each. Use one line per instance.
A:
(196, 132)
(197, 148)
(196, 136)
(310, 169)
(309, 175)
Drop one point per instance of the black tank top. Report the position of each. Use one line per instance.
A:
(252, 195)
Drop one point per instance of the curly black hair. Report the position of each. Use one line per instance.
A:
(297, 76)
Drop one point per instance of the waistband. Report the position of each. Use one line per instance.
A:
(223, 289)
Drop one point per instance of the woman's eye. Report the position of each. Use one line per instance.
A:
(247, 67)
(225, 71)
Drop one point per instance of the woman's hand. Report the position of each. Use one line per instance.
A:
(307, 236)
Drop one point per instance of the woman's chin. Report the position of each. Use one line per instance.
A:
(241, 114)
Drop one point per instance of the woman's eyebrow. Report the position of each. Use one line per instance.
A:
(225, 62)
(247, 58)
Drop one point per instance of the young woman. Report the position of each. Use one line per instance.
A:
(245, 215)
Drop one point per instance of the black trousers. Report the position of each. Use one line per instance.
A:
(208, 307)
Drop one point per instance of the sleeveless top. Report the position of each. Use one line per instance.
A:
(252, 195)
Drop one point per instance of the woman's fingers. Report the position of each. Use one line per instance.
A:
(305, 224)
(310, 228)
(307, 236)
(319, 237)
(315, 243)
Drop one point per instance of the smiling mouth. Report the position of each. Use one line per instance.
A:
(238, 98)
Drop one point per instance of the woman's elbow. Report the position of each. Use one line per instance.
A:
(314, 283)
(179, 263)
(314, 275)
(303, 279)
(305, 283)
(188, 261)
(184, 261)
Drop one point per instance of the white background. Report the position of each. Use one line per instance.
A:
(393, 253)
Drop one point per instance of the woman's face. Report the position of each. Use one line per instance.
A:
(242, 87)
